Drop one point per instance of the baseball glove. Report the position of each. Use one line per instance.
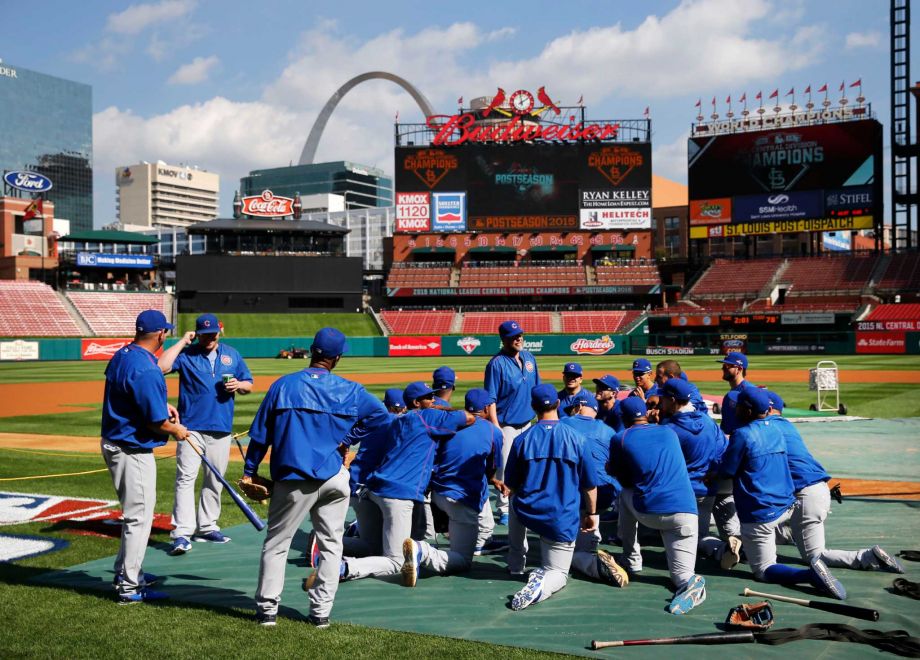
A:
(256, 488)
(756, 616)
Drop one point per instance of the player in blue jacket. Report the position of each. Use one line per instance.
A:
(644, 378)
(211, 374)
(136, 418)
(402, 478)
(509, 377)
(581, 415)
(443, 382)
(464, 468)
(756, 460)
(572, 375)
(813, 503)
(647, 460)
(667, 369)
(734, 371)
(608, 407)
(702, 444)
(305, 419)
(549, 469)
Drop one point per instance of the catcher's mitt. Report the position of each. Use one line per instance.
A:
(256, 488)
(756, 616)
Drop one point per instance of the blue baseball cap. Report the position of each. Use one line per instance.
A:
(608, 382)
(633, 408)
(416, 390)
(756, 399)
(776, 401)
(583, 398)
(572, 368)
(393, 398)
(476, 400)
(152, 320)
(329, 342)
(642, 366)
(443, 378)
(510, 329)
(735, 359)
(543, 395)
(677, 389)
(207, 324)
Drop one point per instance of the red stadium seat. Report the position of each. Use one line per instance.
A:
(113, 314)
(411, 322)
(33, 309)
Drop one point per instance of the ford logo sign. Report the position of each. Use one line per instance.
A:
(778, 199)
(32, 182)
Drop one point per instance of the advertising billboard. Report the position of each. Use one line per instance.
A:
(448, 211)
(536, 186)
(778, 206)
(413, 211)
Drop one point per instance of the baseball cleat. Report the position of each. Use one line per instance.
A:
(503, 519)
(824, 580)
(491, 547)
(179, 546)
(609, 571)
(149, 579)
(266, 620)
(213, 536)
(731, 556)
(886, 561)
(142, 596)
(412, 554)
(318, 621)
(689, 596)
(312, 550)
(532, 591)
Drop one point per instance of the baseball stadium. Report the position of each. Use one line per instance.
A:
(516, 217)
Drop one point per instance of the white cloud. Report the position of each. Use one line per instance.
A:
(195, 71)
(670, 160)
(863, 39)
(137, 18)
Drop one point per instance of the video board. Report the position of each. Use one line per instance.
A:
(537, 186)
(827, 171)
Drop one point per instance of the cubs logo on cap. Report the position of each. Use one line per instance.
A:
(207, 324)
(510, 329)
(572, 368)
(642, 366)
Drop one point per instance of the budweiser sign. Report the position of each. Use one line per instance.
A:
(598, 346)
(454, 130)
(102, 349)
(267, 205)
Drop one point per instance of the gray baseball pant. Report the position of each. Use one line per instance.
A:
(370, 528)
(724, 512)
(464, 528)
(486, 524)
(216, 448)
(678, 533)
(555, 557)
(134, 476)
(397, 527)
(584, 557)
(708, 546)
(509, 433)
(812, 505)
(760, 542)
(327, 504)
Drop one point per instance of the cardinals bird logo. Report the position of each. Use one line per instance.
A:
(506, 106)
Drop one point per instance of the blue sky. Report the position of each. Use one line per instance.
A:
(232, 86)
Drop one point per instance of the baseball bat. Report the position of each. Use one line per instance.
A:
(742, 637)
(236, 439)
(837, 608)
(257, 522)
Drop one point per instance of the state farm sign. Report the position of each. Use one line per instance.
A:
(413, 211)
(881, 342)
(415, 346)
(267, 205)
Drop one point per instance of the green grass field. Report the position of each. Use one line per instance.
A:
(287, 325)
(43, 621)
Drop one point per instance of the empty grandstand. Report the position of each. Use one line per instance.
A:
(417, 322)
(33, 309)
(113, 314)
(901, 275)
(599, 321)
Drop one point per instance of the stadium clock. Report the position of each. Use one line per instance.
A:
(521, 102)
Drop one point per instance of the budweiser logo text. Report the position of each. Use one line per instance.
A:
(453, 130)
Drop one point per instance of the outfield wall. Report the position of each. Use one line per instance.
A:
(575, 346)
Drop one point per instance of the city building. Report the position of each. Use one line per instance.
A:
(46, 126)
(160, 195)
(362, 186)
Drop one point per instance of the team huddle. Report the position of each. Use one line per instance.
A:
(558, 462)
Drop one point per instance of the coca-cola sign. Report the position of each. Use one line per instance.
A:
(267, 205)
(598, 346)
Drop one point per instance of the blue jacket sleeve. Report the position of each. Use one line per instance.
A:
(513, 476)
(734, 454)
(492, 379)
(372, 414)
(261, 428)
(149, 389)
(242, 369)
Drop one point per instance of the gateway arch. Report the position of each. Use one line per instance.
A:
(309, 149)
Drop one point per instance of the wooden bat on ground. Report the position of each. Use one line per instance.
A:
(257, 522)
(837, 608)
(741, 637)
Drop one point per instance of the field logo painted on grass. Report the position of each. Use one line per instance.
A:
(469, 344)
(16, 508)
(598, 346)
(14, 547)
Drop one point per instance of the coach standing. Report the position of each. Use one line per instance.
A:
(210, 374)
(135, 419)
(734, 371)
(305, 419)
(510, 376)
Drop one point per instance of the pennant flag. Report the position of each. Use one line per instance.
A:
(460, 101)
(646, 111)
(397, 116)
(699, 102)
(843, 84)
(858, 83)
(791, 92)
(581, 99)
(729, 99)
(759, 96)
(34, 209)
(823, 88)
(775, 94)
(744, 98)
(808, 90)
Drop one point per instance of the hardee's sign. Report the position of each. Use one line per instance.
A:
(523, 126)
